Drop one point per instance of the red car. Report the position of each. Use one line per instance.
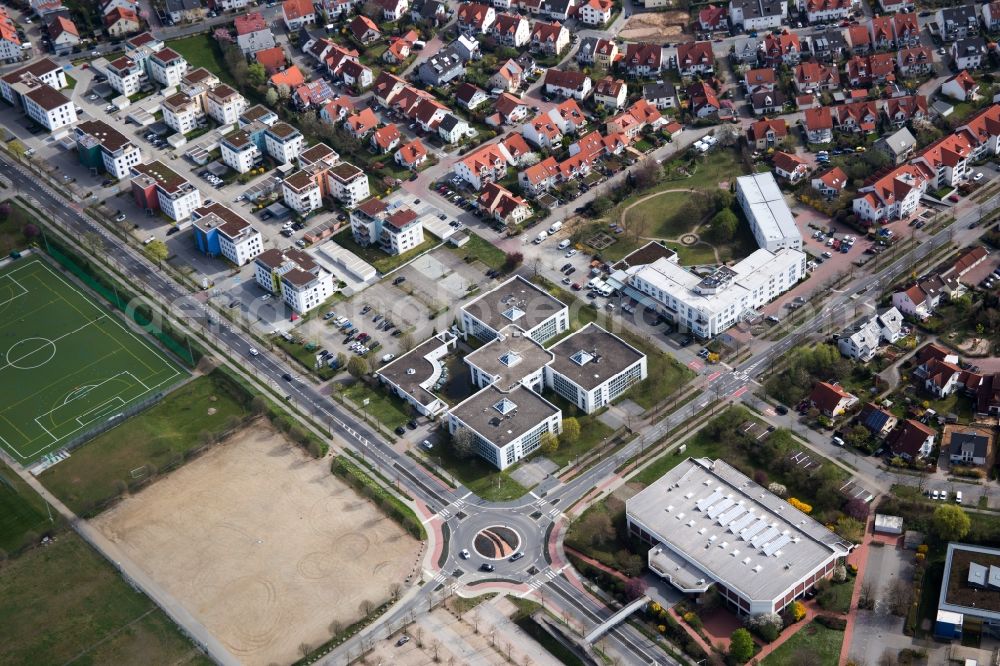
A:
(575, 286)
(953, 198)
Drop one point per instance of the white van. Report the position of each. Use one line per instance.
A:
(958, 497)
(556, 226)
(540, 237)
(564, 244)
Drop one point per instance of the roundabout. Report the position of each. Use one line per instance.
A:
(496, 542)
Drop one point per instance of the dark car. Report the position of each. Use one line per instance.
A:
(400, 430)
(398, 281)
(516, 556)
(287, 377)
(486, 566)
(411, 424)
(781, 409)
(173, 230)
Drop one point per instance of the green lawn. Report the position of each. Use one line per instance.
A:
(478, 248)
(156, 438)
(387, 410)
(592, 431)
(822, 645)
(305, 357)
(717, 167)
(697, 447)
(837, 597)
(478, 475)
(661, 216)
(62, 603)
(203, 51)
(693, 255)
(383, 262)
(23, 517)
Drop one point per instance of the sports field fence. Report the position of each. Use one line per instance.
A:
(176, 342)
(109, 423)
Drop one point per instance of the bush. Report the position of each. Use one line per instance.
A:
(778, 489)
(741, 646)
(832, 622)
(766, 625)
(839, 573)
(798, 611)
(800, 505)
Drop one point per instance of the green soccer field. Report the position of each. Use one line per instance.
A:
(66, 364)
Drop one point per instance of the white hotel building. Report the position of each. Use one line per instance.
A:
(413, 375)
(770, 219)
(709, 526)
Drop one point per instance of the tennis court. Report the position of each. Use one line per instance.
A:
(67, 365)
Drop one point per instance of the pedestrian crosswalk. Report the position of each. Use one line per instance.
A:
(453, 508)
(542, 578)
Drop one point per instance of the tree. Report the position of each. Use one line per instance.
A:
(357, 367)
(899, 596)
(512, 260)
(571, 430)
(596, 528)
(5, 210)
(222, 36)
(549, 443)
(17, 149)
(741, 646)
(284, 91)
(646, 174)
(271, 97)
(950, 522)
(258, 405)
(341, 360)
(462, 443)
(93, 242)
(634, 589)
(859, 437)
(723, 226)
(601, 205)
(30, 231)
(789, 144)
(857, 509)
(157, 251)
(406, 341)
(256, 74)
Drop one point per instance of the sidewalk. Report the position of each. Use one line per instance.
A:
(597, 565)
(859, 558)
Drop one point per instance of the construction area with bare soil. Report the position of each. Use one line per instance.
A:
(656, 27)
(263, 545)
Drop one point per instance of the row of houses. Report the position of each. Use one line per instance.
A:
(37, 90)
(896, 193)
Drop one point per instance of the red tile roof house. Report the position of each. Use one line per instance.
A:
(364, 30)
(911, 439)
(767, 133)
(692, 58)
(384, 139)
(831, 183)
(831, 400)
(790, 167)
(713, 18)
(411, 155)
(942, 378)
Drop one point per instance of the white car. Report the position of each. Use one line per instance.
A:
(265, 297)
(465, 554)
(978, 177)
(254, 352)
(935, 495)
(571, 253)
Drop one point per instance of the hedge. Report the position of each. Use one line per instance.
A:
(367, 486)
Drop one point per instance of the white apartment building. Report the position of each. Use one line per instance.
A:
(117, 153)
(301, 192)
(224, 105)
(707, 306)
(394, 231)
(592, 367)
(157, 187)
(413, 375)
(181, 113)
(348, 184)
(239, 152)
(167, 67)
(302, 283)
(125, 76)
(46, 71)
(48, 107)
(518, 302)
(769, 216)
(283, 142)
(862, 342)
(221, 231)
(708, 526)
(506, 425)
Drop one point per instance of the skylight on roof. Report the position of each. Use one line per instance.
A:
(582, 357)
(510, 359)
(513, 313)
(505, 406)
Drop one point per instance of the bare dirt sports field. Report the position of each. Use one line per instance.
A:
(655, 27)
(263, 545)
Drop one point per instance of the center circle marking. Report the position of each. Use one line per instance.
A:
(20, 361)
(497, 542)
